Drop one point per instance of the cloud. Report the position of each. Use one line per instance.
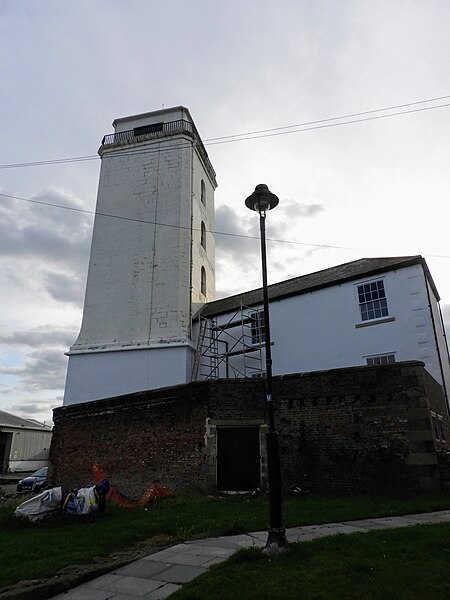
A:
(307, 210)
(237, 253)
(38, 369)
(39, 232)
(39, 337)
(64, 287)
(44, 249)
(36, 408)
(44, 369)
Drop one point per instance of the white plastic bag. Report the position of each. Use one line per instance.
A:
(86, 500)
(39, 506)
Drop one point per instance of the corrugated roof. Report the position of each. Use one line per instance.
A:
(356, 269)
(9, 420)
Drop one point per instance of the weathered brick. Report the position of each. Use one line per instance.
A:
(346, 429)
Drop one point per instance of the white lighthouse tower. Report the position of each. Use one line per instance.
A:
(152, 258)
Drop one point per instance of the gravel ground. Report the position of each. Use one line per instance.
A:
(8, 494)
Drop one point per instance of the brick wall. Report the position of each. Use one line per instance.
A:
(362, 428)
(134, 439)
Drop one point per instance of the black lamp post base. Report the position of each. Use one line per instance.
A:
(276, 541)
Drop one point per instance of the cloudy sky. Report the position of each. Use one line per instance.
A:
(342, 108)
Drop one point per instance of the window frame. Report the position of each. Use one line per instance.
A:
(203, 280)
(372, 300)
(379, 357)
(257, 326)
(203, 235)
(203, 192)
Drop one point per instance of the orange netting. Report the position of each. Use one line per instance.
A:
(154, 491)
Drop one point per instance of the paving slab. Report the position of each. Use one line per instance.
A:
(82, 593)
(242, 540)
(163, 592)
(301, 537)
(210, 550)
(365, 524)
(124, 597)
(181, 573)
(218, 542)
(133, 586)
(390, 522)
(146, 569)
(99, 583)
(193, 560)
(435, 517)
(335, 528)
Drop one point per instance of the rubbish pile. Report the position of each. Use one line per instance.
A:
(81, 501)
(85, 500)
(41, 505)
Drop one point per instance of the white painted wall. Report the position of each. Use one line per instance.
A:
(323, 329)
(145, 263)
(106, 374)
(164, 115)
(29, 451)
(200, 256)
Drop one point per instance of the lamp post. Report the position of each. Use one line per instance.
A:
(261, 201)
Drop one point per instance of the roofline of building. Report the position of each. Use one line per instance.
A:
(10, 421)
(153, 113)
(277, 291)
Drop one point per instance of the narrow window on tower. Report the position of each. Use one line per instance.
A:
(203, 193)
(203, 281)
(203, 235)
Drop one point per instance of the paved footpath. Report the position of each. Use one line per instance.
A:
(159, 575)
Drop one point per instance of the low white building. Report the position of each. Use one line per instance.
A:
(367, 312)
(24, 444)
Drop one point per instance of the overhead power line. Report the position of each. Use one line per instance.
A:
(185, 228)
(159, 224)
(347, 119)
(349, 116)
(55, 161)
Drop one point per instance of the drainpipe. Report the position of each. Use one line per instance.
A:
(191, 258)
(443, 329)
(444, 387)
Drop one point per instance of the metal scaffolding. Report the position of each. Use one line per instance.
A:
(232, 349)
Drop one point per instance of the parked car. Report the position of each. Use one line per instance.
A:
(35, 482)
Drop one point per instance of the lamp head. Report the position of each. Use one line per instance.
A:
(261, 200)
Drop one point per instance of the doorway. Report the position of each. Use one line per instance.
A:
(238, 458)
(5, 449)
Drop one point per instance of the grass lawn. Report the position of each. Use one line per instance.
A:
(39, 550)
(401, 564)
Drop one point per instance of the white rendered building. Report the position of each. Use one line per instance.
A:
(152, 258)
(367, 312)
(150, 319)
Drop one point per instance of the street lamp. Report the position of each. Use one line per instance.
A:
(261, 201)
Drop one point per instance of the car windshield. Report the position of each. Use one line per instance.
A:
(40, 472)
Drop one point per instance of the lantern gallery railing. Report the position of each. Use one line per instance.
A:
(155, 130)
